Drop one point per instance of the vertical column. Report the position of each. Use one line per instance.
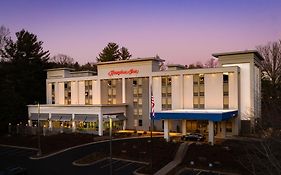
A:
(29, 121)
(77, 92)
(166, 130)
(181, 91)
(50, 123)
(183, 127)
(124, 122)
(123, 90)
(223, 129)
(100, 124)
(73, 123)
(211, 132)
(56, 93)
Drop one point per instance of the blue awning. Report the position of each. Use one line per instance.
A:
(193, 114)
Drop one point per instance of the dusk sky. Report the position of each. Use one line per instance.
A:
(178, 31)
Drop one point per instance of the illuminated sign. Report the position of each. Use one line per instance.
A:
(123, 72)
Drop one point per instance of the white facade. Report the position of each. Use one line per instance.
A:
(126, 87)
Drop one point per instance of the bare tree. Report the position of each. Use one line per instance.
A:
(211, 63)
(4, 36)
(272, 61)
(62, 59)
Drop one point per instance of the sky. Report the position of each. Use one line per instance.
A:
(181, 32)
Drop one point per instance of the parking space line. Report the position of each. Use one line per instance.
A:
(130, 163)
(109, 164)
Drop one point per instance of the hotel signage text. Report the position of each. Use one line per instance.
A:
(123, 72)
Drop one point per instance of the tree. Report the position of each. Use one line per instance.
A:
(271, 84)
(109, 53)
(124, 54)
(112, 53)
(4, 36)
(23, 75)
(272, 61)
(211, 63)
(197, 65)
(62, 60)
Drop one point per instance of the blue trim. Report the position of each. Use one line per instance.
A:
(195, 116)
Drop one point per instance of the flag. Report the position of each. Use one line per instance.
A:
(152, 105)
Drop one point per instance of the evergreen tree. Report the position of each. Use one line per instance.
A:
(23, 79)
(124, 54)
(109, 53)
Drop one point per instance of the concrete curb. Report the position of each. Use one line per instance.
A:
(177, 160)
(86, 144)
(88, 164)
(20, 147)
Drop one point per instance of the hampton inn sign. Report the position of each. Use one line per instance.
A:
(123, 72)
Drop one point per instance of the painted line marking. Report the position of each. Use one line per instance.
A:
(109, 164)
(18, 147)
(123, 166)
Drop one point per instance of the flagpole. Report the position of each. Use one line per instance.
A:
(151, 126)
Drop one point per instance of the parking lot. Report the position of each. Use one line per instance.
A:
(119, 167)
(62, 163)
(200, 172)
(6, 151)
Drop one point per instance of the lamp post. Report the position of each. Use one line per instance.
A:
(39, 153)
(110, 143)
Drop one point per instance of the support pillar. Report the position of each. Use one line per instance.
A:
(50, 123)
(73, 123)
(29, 123)
(124, 124)
(211, 132)
(100, 124)
(223, 129)
(166, 130)
(183, 127)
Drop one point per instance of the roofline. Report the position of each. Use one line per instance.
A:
(131, 60)
(61, 68)
(84, 71)
(239, 52)
(176, 65)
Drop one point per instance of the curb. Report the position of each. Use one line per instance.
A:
(97, 161)
(86, 144)
(20, 147)
(88, 164)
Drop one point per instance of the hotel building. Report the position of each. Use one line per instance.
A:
(214, 101)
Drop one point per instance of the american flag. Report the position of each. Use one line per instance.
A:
(152, 105)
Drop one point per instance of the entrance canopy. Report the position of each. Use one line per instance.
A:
(115, 117)
(196, 114)
(42, 116)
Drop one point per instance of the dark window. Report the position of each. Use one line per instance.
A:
(135, 82)
(140, 122)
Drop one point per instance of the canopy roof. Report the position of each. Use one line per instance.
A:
(196, 114)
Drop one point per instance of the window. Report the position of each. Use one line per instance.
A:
(140, 122)
(166, 93)
(53, 94)
(88, 92)
(137, 97)
(111, 91)
(198, 91)
(67, 93)
(225, 91)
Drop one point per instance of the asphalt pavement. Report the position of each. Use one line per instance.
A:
(62, 163)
